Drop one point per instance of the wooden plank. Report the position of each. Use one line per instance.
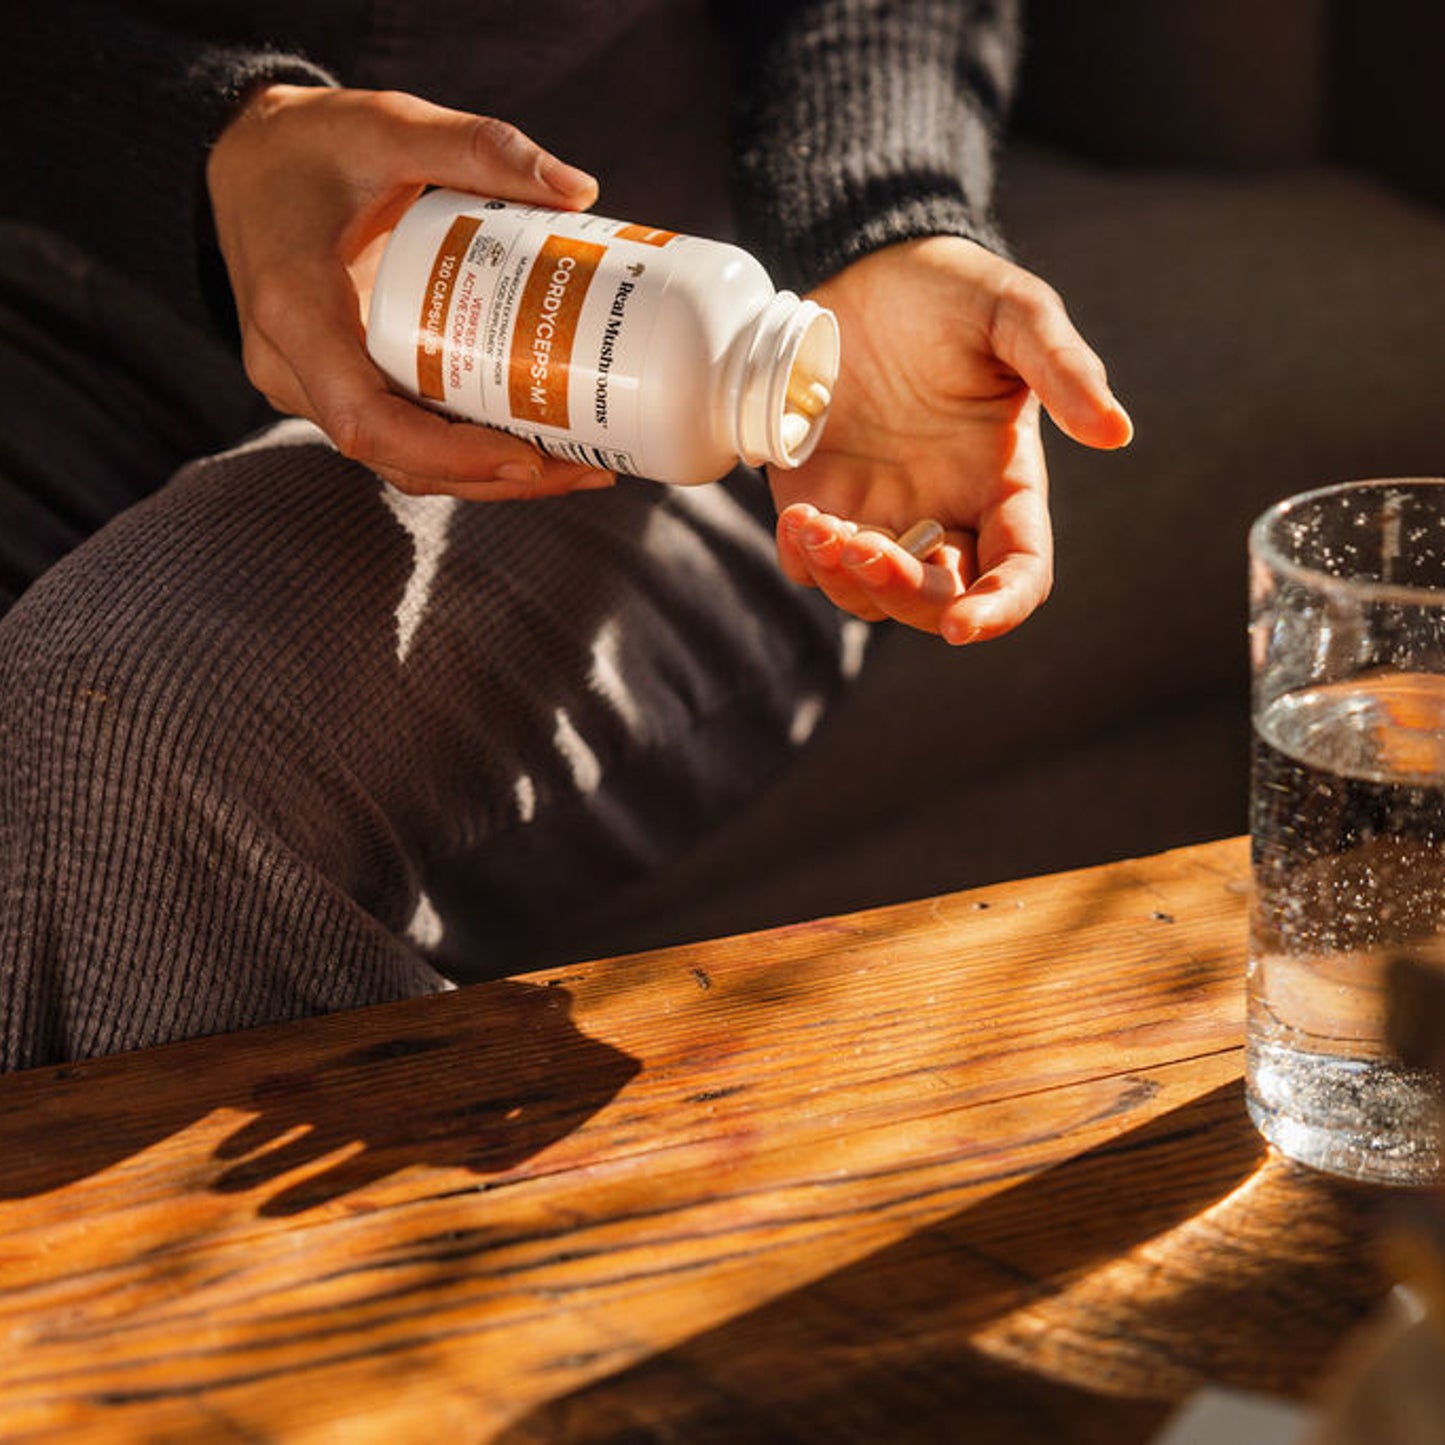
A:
(476, 1212)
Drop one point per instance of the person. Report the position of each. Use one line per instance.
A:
(326, 699)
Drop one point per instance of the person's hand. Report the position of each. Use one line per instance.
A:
(306, 183)
(948, 351)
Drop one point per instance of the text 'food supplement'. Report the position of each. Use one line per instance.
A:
(610, 344)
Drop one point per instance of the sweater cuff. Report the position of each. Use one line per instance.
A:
(861, 123)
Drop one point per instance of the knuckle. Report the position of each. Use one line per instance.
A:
(403, 483)
(494, 139)
(349, 430)
(1062, 355)
(390, 101)
(259, 363)
(390, 105)
(270, 304)
(384, 121)
(1031, 298)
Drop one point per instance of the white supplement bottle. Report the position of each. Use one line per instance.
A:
(615, 345)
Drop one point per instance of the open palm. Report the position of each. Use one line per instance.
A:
(948, 351)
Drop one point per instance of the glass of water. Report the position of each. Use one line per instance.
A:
(1347, 818)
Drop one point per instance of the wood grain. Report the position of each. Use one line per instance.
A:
(981, 1157)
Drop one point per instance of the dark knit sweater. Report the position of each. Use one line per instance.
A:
(856, 122)
(276, 740)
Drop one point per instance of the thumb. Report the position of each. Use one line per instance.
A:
(1034, 336)
(480, 153)
(1074, 390)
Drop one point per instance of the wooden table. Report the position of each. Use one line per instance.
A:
(974, 1168)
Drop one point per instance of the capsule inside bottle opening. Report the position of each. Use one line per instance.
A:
(808, 395)
(807, 399)
(796, 427)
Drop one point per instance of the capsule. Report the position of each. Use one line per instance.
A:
(796, 427)
(922, 538)
(808, 395)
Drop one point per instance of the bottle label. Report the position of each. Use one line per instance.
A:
(536, 323)
(540, 367)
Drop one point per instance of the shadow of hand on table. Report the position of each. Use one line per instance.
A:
(486, 1099)
(1080, 1305)
(481, 1079)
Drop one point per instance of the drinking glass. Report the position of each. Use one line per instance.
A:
(1347, 818)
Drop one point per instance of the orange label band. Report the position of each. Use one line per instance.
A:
(435, 302)
(648, 235)
(546, 327)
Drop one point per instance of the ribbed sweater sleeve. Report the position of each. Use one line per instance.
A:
(862, 122)
(108, 117)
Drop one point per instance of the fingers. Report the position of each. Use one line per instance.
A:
(810, 547)
(549, 479)
(1015, 561)
(302, 183)
(1032, 333)
(997, 602)
(901, 586)
(866, 572)
(313, 364)
(957, 590)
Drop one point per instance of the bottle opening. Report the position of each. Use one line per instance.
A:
(811, 372)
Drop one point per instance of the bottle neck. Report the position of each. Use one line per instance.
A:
(781, 382)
